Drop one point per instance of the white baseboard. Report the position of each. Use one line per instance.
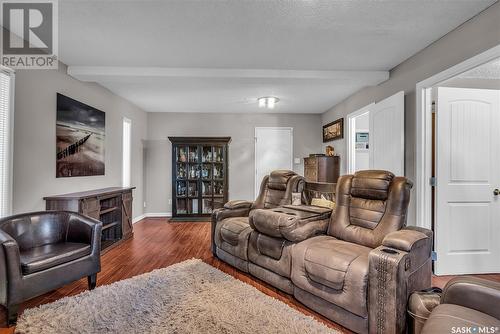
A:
(152, 215)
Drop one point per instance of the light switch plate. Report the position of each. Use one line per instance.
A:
(296, 161)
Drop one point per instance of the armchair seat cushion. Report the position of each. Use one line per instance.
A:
(334, 270)
(446, 316)
(47, 256)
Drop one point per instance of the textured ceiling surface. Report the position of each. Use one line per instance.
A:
(489, 70)
(269, 35)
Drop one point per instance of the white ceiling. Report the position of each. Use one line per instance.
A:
(220, 56)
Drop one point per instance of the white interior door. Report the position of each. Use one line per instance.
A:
(387, 134)
(467, 225)
(273, 150)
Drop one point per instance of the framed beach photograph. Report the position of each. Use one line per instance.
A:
(80, 138)
(333, 130)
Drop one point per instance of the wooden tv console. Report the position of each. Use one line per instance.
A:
(112, 206)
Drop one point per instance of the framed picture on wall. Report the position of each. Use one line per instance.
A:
(80, 138)
(333, 130)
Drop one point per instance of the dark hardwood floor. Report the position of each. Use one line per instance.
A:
(158, 243)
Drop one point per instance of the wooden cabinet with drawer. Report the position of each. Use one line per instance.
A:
(322, 169)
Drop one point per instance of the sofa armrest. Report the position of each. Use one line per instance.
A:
(10, 270)
(400, 266)
(238, 204)
(409, 240)
(476, 293)
(233, 209)
(85, 230)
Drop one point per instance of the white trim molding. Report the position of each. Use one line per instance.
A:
(423, 161)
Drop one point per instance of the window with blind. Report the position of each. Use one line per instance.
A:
(6, 122)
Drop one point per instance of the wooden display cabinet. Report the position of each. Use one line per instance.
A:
(199, 176)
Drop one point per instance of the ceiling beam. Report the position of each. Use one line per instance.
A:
(112, 73)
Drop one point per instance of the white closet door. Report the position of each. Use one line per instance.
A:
(387, 134)
(273, 150)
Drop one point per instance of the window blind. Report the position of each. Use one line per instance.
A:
(6, 121)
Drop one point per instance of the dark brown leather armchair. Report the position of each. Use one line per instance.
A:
(468, 303)
(230, 225)
(42, 251)
(362, 272)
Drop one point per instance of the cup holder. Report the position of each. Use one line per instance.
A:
(389, 251)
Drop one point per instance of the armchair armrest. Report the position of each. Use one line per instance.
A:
(475, 293)
(400, 266)
(85, 230)
(10, 268)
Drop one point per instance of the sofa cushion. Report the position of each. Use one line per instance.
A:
(327, 263)
(278, 179)
(47, 256)
(333, 270)
(372, 184)
(447, 316)
(231, 228)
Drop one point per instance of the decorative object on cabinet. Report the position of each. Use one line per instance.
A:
(112, 206)
(322, 169)
(333, 130)
(80, 138)
(199, 176)
(330, 151)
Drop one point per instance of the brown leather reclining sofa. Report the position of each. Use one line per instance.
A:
(361, 272)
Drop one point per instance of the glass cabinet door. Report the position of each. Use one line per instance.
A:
(199, 178)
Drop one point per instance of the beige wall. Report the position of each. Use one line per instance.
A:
(473, 37)
(240, 127)
(35, 138)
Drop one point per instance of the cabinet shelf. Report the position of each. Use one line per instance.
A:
(106, 226)
(108, 210)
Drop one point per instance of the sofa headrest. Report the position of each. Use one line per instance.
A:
(371, 184)
(278, 179)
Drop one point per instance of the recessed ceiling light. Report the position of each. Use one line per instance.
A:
(267, 102)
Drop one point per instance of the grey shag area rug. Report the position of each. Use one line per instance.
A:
(187, 297)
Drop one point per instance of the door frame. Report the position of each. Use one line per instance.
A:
(257, 182)
(423, 161)
(351, 136)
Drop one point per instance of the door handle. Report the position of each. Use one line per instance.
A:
(496, 192)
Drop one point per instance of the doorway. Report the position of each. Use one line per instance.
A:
(273, 150)
(358, 140)
(376, 136)
(463, 152)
